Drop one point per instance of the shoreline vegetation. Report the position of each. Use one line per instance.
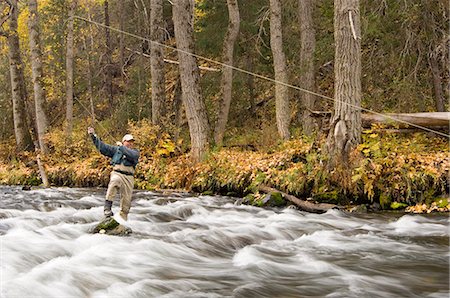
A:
(387, 171)
(223, 83)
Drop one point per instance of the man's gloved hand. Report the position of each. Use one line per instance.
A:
(90, 130)
(119, 143)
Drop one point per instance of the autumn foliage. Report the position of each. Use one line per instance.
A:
(389, 169)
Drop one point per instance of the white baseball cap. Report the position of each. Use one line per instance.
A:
(127, 137)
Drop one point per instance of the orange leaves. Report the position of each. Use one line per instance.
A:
(231, 169)
(433, 207)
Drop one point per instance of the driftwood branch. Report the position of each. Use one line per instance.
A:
(301, 204)
(320, 114)
(6, 17)
(172, 61)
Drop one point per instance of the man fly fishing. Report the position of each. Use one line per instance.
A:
(124, 159)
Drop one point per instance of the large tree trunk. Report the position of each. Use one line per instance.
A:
(177, 107)
(438, 48)
(307, 47)
(345, 126)
(69, 71)
(19, 95)
(251, 86)
(37, 73)
(190, 76)
(157, 62)
(108, 52)
(437, 82)
(279, 63)
(227, 72)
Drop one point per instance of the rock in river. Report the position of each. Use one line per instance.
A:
(110, 226)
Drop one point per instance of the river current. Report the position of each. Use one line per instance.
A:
(207, 246)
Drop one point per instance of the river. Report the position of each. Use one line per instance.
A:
(206, 246)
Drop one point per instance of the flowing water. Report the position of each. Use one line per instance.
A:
(206, 246)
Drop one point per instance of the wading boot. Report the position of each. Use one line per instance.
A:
(123, 215)
(107, 211)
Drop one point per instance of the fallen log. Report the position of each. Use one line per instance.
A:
(440, 120)
(408, 130)
(435, 119)
(301, 204)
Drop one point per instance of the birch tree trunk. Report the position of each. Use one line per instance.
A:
(226, 84)
(345, 126)
(18, 91)
(190, 76)
(157, 62)
(122, 5)
(90, 51)
(41, 167)
(69, 72)
(279, 63)
(307, 47)
(37, 73)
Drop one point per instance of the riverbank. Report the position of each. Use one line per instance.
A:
(386, 171)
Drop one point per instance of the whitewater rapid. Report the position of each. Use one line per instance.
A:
(206, 246)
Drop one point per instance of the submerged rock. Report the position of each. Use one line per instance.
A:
(359, 209)
(274, 199)
(110, 226)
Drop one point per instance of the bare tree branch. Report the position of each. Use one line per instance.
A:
(264, 13)
(5, 18)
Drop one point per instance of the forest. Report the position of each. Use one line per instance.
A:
(232, 97)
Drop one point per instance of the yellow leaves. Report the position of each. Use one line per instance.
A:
(411, 173)
(398, 205)
(370, 149)
(401, 166)
(145, 134)
(42, 4)
(22, 26)
(424, 208)
(368, 188)
(165, 146)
